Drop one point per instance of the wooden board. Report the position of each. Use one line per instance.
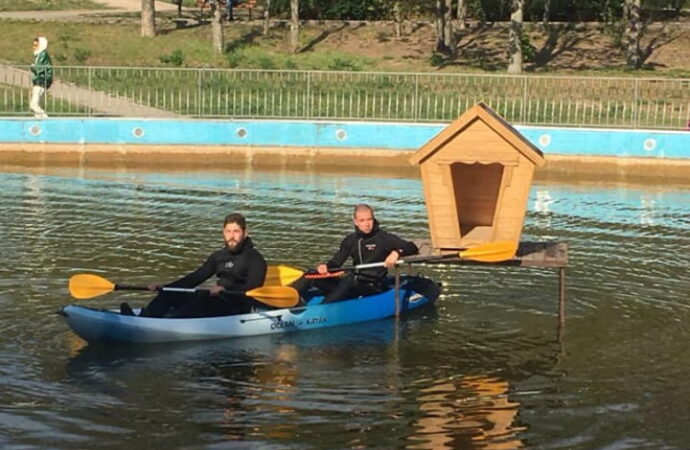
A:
(529, 254)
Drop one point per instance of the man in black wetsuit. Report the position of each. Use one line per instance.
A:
(239, 268)
(368, 244)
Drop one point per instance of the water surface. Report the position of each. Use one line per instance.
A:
(484, 368)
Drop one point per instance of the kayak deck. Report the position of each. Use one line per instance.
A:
(95, 325)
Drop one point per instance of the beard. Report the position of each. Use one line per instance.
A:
(233, 244)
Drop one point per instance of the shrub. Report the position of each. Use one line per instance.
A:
(343, 64)
(176, 58)
(436, 60)
(82, 54)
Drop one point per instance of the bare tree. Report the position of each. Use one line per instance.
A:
(217, 29)
(148, 18)
(515, 38)
(678, 6)
(294, 25)
(441, 26)
(546, 17)
(462, 14)
(448, 32)
(267, 16)
(634, 33)
(397, 18)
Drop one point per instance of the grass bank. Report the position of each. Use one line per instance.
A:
(567, 49)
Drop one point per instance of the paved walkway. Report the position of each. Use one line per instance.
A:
(115, 7)
(95, 100)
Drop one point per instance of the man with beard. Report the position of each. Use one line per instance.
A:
(239, 268)
(368, 244)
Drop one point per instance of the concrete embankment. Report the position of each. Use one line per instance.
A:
(589, 154)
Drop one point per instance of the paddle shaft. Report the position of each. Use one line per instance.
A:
(412, 259)
(490, 252)
(125, 287)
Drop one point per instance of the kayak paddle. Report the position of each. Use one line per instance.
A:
(85, 285)
(281, 275)
(488, 253)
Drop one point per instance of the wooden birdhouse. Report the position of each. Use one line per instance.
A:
(477, 174)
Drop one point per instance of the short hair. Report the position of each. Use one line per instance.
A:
(236, 218)
(362, 207)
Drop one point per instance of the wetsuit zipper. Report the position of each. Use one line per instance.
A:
(359, 250)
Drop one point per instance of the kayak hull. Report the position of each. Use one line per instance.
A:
(96, 325)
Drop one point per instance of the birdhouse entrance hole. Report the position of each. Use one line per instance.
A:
(476, 188)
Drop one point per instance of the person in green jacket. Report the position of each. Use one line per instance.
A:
(41, 76)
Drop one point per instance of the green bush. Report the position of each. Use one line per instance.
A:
(265, 62)
(343, 64)
(82, 55)
(235, 59)
(176, 58)
(436, 59)
(528, 50)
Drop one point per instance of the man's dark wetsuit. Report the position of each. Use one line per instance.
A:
(237, 270)
(363, 249)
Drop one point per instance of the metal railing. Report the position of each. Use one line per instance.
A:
(415, 97)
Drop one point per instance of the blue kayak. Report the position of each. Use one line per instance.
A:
(94, 325)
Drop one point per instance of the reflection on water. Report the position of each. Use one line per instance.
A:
(468, 412)
(482, 369)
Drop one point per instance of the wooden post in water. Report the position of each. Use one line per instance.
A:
(529, 254)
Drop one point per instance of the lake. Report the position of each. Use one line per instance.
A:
(486, 367)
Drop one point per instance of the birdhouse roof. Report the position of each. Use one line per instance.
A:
(498, 124)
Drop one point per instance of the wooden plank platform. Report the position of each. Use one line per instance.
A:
(529, 254)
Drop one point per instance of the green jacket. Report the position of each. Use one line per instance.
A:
(42, 70)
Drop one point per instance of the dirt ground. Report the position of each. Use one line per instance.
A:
(562, 48)
(584, 48)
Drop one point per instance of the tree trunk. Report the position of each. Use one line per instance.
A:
(634, 33)
(148, 18)
(448, 33)
(267, 16)
(440, 26)
(678, 6)
(462, 14)
(217, 30)
(294, 25)
(515, 38)
(397, 17)
(546, 18)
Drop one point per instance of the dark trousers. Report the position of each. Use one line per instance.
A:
(198, 304)
(338, 288)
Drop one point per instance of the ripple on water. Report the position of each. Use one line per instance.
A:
(485, 367)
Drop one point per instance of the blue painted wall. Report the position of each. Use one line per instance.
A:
(397, 136)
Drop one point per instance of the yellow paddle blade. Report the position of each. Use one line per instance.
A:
(85, 285)
(491, 252)
(282, 275)
(276, 296)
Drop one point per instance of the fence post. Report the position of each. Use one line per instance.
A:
(198, 92)
(524, 101)
(307, 112)
(635, 105)
(416, 97)
(90, 72)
